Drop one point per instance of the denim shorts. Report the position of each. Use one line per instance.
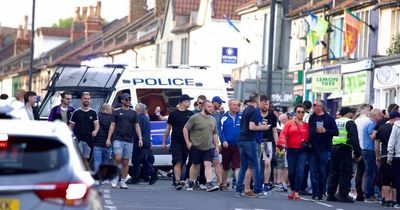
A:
(85, 149)
(123, 148)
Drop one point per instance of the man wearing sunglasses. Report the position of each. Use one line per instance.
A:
(322, 128)
(124, 128)
(63, 111)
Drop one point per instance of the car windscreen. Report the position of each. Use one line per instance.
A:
(27, 155)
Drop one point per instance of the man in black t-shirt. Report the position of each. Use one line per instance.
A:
(123, 129)
(85, 125)
(391, 108)
(386, 170)
(177, 120)
(269, 139)
(250, 124)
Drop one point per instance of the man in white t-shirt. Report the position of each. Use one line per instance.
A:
(361, 121)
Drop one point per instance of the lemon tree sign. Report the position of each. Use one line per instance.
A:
(327, 83)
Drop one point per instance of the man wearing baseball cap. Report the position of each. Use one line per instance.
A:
(176, 121)
(341, 164)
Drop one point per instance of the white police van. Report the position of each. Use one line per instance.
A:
(153, 87)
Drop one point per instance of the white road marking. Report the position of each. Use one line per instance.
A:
(111, 207)
(106, 191)
(109, 202)
(324, 204)
(249, 209)
(152, 207)
(107, 196)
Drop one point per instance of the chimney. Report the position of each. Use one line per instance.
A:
(137, 9)
(78, 27)
(26, 33)
(93, 23)
(84, 13)
(159, 8)
(19, 32)
(98, 9)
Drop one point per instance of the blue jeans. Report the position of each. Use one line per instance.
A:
(248, 154)
(319, 163)
(370, 171)
(100, 155)
(296, 159)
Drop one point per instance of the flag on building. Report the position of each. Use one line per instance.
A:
(317, 28)
(229, 21)
(352, 26)
(312, 41)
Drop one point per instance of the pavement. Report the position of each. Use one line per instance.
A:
(161, 196)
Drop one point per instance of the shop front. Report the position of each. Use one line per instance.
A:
(322, 83)
(387, 86)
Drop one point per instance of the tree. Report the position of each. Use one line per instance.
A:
(64, 23)
(394, 48)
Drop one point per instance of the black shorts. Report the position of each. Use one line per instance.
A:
(387, 174)
(197, 156)
(179, 153)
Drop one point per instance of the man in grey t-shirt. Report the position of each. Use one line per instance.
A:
(202, 127)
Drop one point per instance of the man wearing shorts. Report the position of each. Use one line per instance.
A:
(123, 126)
(269, 138)
(198, 131)
(229, 125)
(177, 120)
(85, 125)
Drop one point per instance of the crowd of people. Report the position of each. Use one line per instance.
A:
(305, 152)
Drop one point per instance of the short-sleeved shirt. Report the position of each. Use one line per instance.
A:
(368, 143)
(177, 119)
(125, 121)
(270, 120)
(250, 114)
(383, 136)
(380, 123)
(84, 124)
(201, 128)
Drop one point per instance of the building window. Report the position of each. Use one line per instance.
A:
(184, 51)
(395, 22)
(336, 42)
(363, 36)
(169, 53)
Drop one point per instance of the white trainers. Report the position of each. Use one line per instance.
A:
(123, 184)
(114, 182)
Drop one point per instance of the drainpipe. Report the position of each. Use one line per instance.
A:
(136, 55)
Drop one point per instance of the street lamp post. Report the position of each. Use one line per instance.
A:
(271, 49)
(31, 45)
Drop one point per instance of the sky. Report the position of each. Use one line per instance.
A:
(48, 12)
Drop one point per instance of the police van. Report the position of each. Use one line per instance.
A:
(157, 88)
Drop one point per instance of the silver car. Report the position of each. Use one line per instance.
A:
(40, 168)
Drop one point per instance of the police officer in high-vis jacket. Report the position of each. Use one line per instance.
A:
(341, 164)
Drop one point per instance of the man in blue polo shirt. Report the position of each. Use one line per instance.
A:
(368, 154)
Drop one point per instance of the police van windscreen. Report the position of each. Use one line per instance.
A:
(97, 99)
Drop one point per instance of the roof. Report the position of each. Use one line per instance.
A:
(184, 7)
(252, 3)
(228, 8)
(58, 32)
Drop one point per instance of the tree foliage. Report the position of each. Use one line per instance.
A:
(64, 23)
(394, 48)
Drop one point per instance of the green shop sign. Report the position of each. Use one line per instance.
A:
(354, 88)
(327, 83)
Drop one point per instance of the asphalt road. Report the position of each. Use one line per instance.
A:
(161, 196)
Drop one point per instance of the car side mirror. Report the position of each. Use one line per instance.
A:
(106, 172)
